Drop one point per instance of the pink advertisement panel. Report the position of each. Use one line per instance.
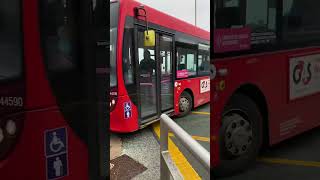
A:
(182, 73)
(235, 39)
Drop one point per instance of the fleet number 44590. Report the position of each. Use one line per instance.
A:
(11, 101)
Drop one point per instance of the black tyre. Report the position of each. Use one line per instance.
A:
(185, 104)
(240, 136)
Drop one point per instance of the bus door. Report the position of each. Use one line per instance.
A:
(166, 73)
(155, 77)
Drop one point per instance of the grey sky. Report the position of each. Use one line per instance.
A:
(184, 9)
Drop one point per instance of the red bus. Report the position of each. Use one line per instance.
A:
(171, 76)
(266, 83)
(44, 79)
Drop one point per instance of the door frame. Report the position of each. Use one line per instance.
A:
(139, 26)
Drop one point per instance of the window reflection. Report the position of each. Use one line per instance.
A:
(10, 39)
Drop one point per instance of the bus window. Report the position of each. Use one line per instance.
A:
(127, 61)
(203, 64)
(300, 20)
(60, 36)
(191, 64)
(260, 16)
(181, 62)
(257, 16)
(11, 42)
(231, 3)
(114, 8)
(186, 63)
(228, 14)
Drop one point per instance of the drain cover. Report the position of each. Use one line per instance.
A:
(125, 168)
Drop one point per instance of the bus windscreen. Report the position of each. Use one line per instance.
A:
(114, 6)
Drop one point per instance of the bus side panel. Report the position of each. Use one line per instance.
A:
(201, 90)
(28, 160)
(194, 84)
(270, 74)
(255, 71)
(292, 117)
(118, 122)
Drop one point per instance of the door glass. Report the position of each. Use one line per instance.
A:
(166, 73)
(147, 69)
(10, 40)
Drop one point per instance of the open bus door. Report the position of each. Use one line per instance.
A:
(154, 69)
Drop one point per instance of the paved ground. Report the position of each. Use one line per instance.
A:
(143, 146)
(294, 159)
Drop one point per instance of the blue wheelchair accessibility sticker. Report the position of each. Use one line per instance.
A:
(56, 141)
(56, 152)
(57, 166)
(127, 110)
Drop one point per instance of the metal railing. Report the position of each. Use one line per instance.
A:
(167, 166)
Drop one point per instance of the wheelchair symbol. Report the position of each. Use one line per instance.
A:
(56, 144)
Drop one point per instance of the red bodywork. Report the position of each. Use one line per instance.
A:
(191, 85)
(117, 121)
(269, 74)
(27, 159)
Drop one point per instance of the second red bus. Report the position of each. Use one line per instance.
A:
(171, 77)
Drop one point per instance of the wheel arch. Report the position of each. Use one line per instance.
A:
(254, 93)
(188, 90)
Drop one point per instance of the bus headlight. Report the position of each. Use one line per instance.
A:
(10, 131)
(113, 102)
(113, 98)
(11, 127)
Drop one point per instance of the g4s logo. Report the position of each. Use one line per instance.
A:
(302, 72)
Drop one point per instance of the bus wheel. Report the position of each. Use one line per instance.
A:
(185, 103)
(240, 135)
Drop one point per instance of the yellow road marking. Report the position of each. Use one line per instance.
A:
(202, 113)
(289, 162)
(198, 138)
(178, 158)
(201, 138)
